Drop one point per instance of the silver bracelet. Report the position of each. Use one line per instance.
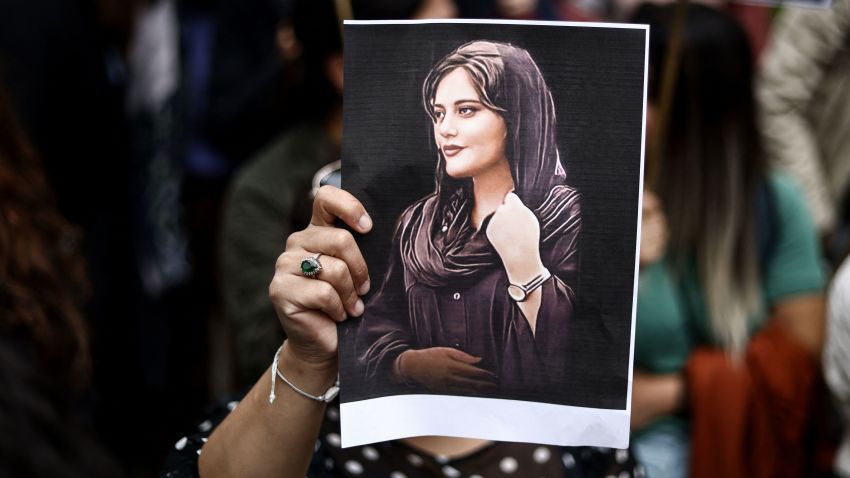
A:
(326, 397)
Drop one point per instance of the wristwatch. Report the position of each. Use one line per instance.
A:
(520, 292)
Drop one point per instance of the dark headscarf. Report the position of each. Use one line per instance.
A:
(438, 242)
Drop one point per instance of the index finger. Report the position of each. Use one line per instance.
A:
(332, 203)
(473, 372)
(462, 356)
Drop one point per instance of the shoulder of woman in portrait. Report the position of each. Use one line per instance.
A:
(563, 198)
(414, 212)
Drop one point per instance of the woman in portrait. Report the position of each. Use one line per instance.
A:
(478, 293)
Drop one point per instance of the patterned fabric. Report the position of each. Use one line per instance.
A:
(395, 459)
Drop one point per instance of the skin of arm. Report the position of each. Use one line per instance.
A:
(655, 395)
(804, 318)
(250, 441)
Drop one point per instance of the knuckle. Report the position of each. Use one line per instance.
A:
(289, 309)
(360, 269)
(281, 263)
(327, 294)
(293, 239)
(343, 239)
(275, 289)
(324, 194)
(339, 273)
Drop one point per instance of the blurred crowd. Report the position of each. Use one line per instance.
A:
(155, 154)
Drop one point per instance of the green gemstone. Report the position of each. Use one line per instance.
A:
(308, 266)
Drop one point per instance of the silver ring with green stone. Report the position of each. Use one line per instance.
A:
(310, 266)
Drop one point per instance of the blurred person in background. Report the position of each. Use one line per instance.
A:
(62, 63)
(99, 85)
(836, 360)
(508, 9)
(271, 196)
(730, 308)
(804, 100)
(45, 361)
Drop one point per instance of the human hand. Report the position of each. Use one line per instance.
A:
(655, 395)
(308, 309)
(444, 369)
(653, 230)
(515, 234)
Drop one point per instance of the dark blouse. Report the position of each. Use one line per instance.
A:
(474, 313)
(394, 459)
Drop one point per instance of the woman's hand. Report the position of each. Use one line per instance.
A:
(653, 229)
(515, 234)
(444, 369)
(309, 309)
(249, 442)
(654, 396)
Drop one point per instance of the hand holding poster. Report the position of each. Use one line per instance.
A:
(506, 213)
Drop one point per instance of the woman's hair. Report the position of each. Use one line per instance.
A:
(508, 82)
(42, 274)
(711, 164)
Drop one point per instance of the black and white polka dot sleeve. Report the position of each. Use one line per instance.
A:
(182, 461)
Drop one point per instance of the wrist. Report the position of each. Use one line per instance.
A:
(525, 271)
(398, 367)
(313, 370)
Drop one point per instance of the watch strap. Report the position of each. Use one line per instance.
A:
(532, 284)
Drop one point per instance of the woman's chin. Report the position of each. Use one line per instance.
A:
(455, 174)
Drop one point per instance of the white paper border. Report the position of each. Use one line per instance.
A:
(531, 422)
(503, 420)
(633, 26)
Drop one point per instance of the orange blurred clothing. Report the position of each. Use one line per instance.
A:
(752, 418)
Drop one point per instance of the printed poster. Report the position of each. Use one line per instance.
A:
(501, 163)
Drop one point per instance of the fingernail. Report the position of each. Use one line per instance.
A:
(365, 222)
(358, 308)
(364, 287)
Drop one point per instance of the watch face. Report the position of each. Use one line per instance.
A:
(516, 293)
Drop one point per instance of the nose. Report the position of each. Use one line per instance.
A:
(446, 127)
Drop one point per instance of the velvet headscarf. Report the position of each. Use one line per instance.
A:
(438, 242)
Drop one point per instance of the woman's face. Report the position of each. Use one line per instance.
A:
(470, 135)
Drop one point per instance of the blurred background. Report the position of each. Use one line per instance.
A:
(138, 236)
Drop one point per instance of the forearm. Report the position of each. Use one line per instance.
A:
(804, 318)
(654, 396)
(276, 440)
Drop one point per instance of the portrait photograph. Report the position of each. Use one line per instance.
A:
(501, 163)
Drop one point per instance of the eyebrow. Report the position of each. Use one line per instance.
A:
(438, 105)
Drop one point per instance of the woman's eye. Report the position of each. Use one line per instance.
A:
(438, 115)
(466, 111)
